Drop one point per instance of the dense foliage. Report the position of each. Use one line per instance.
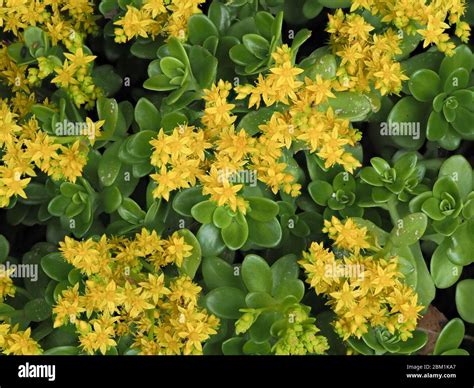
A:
(236, 177)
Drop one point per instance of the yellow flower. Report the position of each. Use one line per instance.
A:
(347, 235)
(71, 161)
(42, 150)
(68, 307)
(12, 180)
(98, 339)
(321, 89)
(345, 298)
(65, 75)
(19, 343)
(6, 284)
(78, 59)
(155, 7)
(177, 250)
(154, 287)
(134, 24)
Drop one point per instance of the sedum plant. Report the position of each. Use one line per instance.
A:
(242, 177)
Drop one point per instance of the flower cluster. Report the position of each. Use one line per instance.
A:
(307, 119)
(298, 337)
(126, 292)
(301, 336)
(363, 290)
(434, 18)
(62, 19)
(367, 59)
(17, 342)
(178, 158)
(27, 147)
(156, 17)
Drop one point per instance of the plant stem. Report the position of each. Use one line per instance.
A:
(392, 209)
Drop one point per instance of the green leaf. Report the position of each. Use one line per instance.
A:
(360, 346)
(55, 266)
(461, 248)
(106, 79)
(264, 22)
(456, 352)
(312, 8)
(256, 274)
(458, 79)
(405, 166)
(210, 239)
(425, 85)
(176, 49)
(265, 234)
(293, 287)
(111, 198)
(225, 302)
(450, 337)
(257, 300)
(251, 347)
(235, 235)
(409, 229)
(257, 45)
(285, 268)
(460, 171)
(412, 345)
(260, 330)
(131, 212)
(437, 126)
(4, 248)
(233, 346)
(204, 66)
(37, 310)
(109, 165)
(108, 110)
(173, 120)
(35, 39)
(159, 83)
(443, 271)
(262, 209)
(241, 56)
(222, 217)
(62, 351)
(464, 305)
(191, 263)
(186, 199)
(203, 211)
(462, 58)
(219, 14)
(139, 146)
(320, 191)
(172, 67)
(200, 28)
(146, 115)
(370, 176)
(57, 206)
(431, 207)
(463, 123)
(336, 3)
(408, 110)
(351, 106)
(218, 273)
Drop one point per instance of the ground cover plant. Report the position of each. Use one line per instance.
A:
(226, 177)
